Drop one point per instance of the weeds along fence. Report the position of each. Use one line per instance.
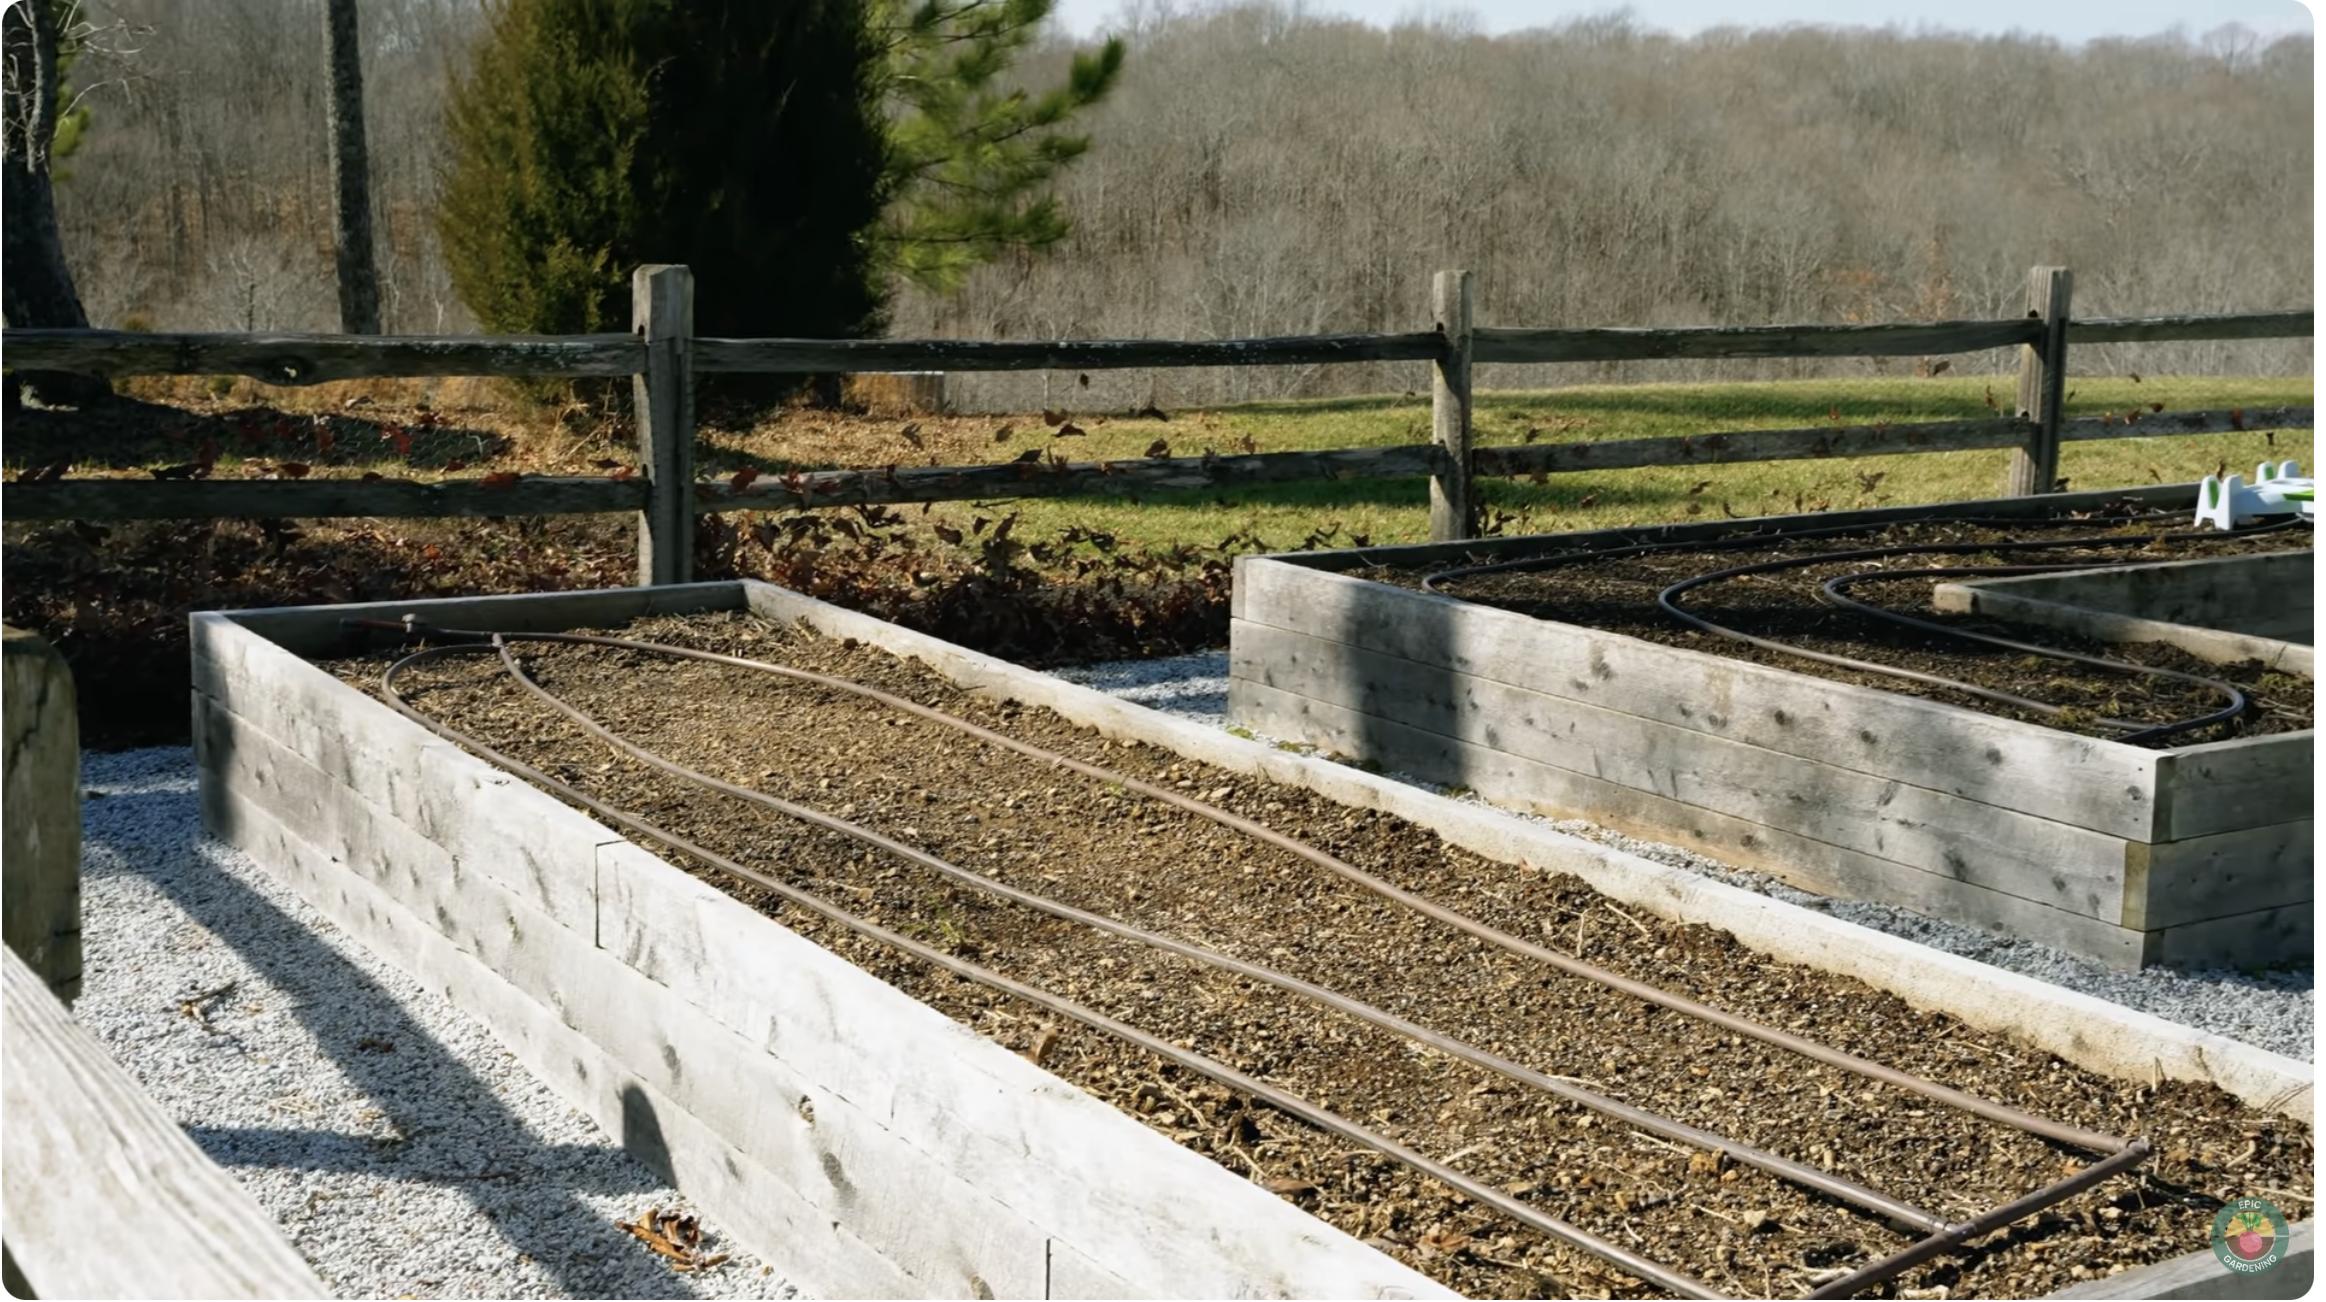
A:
(663, 355)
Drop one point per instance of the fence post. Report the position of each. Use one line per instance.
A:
(40, 869)
(1453, 511)
(2043, 375)
(662, 312)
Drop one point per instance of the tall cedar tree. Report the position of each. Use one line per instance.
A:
(972, 155)
(740, 137)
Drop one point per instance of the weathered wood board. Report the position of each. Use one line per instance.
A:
(2223, 609)
(104, 1195)
(2127, 855)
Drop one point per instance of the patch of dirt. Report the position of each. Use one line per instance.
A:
(1619, 594)
(1102, 848)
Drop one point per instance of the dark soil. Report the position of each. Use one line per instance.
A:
(1102, 848)
(1618, 594)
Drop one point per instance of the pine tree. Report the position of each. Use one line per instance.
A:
(972, 158)
(742, 138)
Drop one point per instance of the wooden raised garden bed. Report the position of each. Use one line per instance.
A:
(833, 1110)
(2129, 854)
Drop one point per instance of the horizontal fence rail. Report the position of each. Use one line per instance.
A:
(317, 359)
(812, 356)
(139, 499)
(664, 355)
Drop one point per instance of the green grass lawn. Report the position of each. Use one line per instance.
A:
(1394, 510)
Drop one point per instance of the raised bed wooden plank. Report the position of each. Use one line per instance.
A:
(2213, 645)
(319, 630)
(2080, 1028)
(494, 824)
(103, 1194)
(2085, 782)
(1116, 1192)
(2018, 854)
(2223, 786)
(2224, 873)
(1826, 869)
(838, 1157)
(762, 1213)
(315, 358)
(2281, 936)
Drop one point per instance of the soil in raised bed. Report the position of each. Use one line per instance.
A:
(1618, 594)
(1105, 849)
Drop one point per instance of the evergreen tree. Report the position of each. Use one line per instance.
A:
(742, 138)
(972, 156)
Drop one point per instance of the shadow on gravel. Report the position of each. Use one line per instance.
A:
(526, 1190)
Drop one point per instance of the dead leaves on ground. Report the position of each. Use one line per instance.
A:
(676, 1238)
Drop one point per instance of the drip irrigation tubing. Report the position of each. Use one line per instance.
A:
(1668, 600)
(1290, 1104)
(2118, 1154)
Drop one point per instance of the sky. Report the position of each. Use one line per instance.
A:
(2067, 20)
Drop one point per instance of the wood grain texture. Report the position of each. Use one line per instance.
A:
(1515, 782)
(662, 304)
(2043, 369)
(88, 1153)
(1616, 344)
(292, 359)
(2219, 875)
(762, 1213)
(843, 1163)
(2052, 863)
(2224, 786)
(40, 840)
(2200, 1274)
(265, 499)
(860, 355)
(1453, 504)
(2084, 782)
(2220, 325)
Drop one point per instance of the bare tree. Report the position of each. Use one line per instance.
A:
(359, 283)
(38, 287)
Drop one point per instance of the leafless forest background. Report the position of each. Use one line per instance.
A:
(1264, 172)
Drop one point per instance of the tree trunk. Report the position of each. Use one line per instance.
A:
(37, 289)
(359, 282)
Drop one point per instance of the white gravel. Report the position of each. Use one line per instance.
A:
(2271, 1009)
(405, 1153)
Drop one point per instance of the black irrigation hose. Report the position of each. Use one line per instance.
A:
(1755, 538)
(1943, 1236)
(1833, 592)
(1668, 601)
(1290, 1104)
(1745, 1154)
(2057, 1132)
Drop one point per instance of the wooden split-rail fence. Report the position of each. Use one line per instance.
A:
(663, 355)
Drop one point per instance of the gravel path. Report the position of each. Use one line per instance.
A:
(404, 1152)
(2270, 1009)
